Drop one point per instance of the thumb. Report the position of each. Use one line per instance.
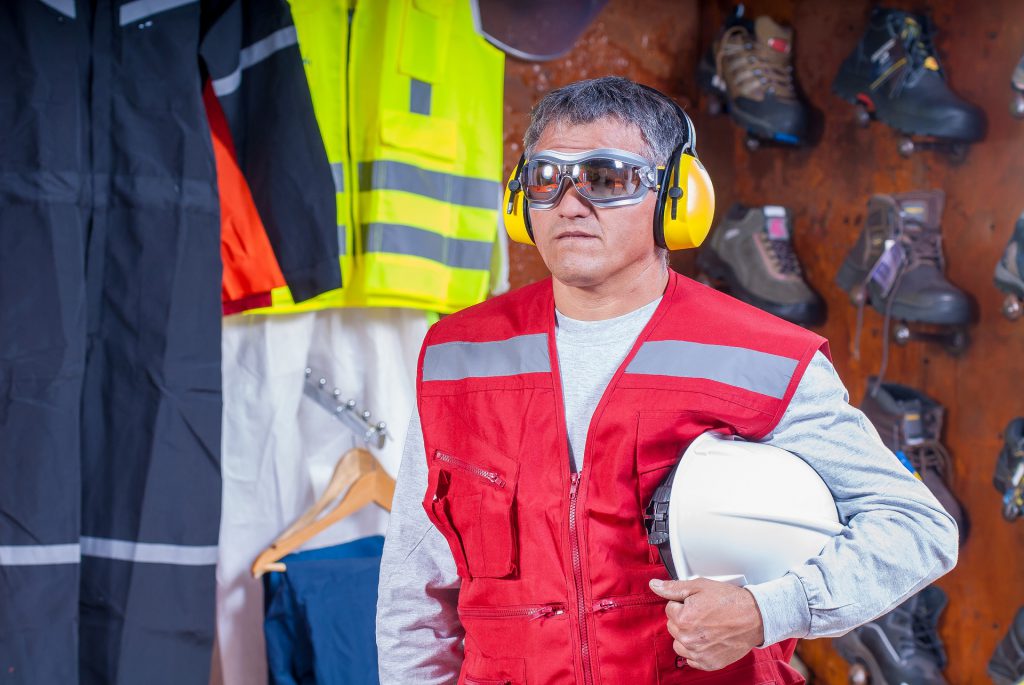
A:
(676, 590)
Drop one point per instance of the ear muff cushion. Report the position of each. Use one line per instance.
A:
(515, 212)
(694, 211)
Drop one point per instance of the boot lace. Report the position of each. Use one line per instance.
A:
(926, 638)
(782, 256)
(917, 43)
(921, 245)
(756, 64)
(930, 454)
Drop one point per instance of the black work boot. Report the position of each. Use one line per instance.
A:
(910, 424)
(1006, 667)
(752, 254)
(750, 68)
(1009, 276)
(1009, 476)
(905, 228)
(894, 72)
(903, 646)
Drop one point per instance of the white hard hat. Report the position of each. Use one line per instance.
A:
(740, 512)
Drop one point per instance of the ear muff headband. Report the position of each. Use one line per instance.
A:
(685, 204)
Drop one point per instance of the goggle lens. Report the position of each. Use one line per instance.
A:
(596, 179)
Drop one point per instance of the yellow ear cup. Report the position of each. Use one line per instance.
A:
(686, 216)
(517, 217)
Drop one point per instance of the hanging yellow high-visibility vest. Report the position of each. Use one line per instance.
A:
(409, 101)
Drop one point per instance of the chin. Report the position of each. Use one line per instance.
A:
(578, 275)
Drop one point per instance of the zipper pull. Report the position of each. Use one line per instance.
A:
(605, 605)
(574, 481)
(546, 611)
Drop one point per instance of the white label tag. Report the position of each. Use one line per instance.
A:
(775, 222)
(888, 266)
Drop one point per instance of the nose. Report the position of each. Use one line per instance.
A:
(572, 205)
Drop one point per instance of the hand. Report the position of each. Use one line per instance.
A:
(713, 623)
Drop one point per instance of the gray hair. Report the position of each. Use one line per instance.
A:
(613, 97)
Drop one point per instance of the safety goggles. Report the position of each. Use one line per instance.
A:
(604, 177)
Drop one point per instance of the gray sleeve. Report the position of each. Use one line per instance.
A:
(897, 537)
(419, 636)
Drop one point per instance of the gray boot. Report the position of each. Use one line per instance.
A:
(1009, 475)
(751, 253)
(1009, 276)
(903, 646)
(1006, 667)
(910, 424)
(919, 290)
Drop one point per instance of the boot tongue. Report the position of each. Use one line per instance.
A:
(912, 425)
(770, 34)
(923, 208)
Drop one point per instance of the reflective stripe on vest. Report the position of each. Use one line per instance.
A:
(416, 157)
(456, 361)
(760, 372)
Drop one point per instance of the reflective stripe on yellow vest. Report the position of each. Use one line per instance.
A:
(421, 151)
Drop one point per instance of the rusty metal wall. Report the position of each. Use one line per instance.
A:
(827, 188)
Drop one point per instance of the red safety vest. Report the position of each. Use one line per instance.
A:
(555, 565)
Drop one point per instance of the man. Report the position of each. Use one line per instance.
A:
(516, 549)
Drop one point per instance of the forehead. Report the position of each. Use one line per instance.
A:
(606, 132)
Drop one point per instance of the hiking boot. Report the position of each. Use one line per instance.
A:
(910, 424)
(751, 252)
(1006, 667)
(903, 646)
(894, 73)
(750, 68)
(1009, 476)
(909, 283)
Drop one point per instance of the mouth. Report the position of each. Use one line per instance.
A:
(575, 234)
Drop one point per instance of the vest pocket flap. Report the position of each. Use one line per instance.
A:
(473, 502)
(495, 671)
(432, 136)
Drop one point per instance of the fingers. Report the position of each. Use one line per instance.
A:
(693, 658)
(677, 590)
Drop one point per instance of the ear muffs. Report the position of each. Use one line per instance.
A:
(686, 203)
(517, 212)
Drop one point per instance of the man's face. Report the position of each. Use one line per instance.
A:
(584, 246)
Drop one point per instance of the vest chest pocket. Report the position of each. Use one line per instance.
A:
(661, 438)
(472, 502)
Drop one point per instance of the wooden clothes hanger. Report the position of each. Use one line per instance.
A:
(360, 476)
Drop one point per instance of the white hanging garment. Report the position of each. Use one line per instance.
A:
(280, 447)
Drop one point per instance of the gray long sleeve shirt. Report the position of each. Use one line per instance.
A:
(896, 537)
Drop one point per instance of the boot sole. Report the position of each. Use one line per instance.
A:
(848, 89)
(804, 313)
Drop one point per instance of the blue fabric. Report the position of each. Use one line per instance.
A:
(320, 616)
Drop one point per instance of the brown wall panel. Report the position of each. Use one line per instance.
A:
(827, 188)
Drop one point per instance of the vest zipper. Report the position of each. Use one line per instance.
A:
(531, 612)
(470, 680)
(577, 573)
(490, 476)
(620, 602)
